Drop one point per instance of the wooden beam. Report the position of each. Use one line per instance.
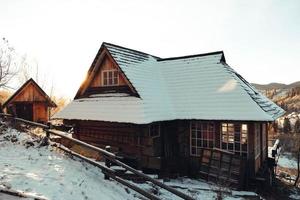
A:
(112, 157)
(111, 173)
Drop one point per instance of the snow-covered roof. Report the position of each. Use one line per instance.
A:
(117, 107)
(201, 86)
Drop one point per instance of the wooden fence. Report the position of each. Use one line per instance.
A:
(110, 158)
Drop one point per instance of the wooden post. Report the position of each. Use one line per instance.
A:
(14, 122)
(114, 159)
(49, 125)
(47, 128)
(47, 134)
(107, 162)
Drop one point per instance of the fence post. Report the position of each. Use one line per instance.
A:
(107, 162)
(45, 140)
(14, 122)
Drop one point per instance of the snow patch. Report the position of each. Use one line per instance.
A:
(287, 161)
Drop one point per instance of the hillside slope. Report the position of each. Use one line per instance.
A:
(47, 173)
(286, 96)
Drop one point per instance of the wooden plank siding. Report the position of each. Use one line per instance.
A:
(29, 94)
(94, 83)
(256, 161)
(107, 64)
(223, 167)
(128, 140)
(170, 152)
(30, 102)
(40, 112)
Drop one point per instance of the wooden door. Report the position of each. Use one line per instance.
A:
(24, 111)
(170, 140)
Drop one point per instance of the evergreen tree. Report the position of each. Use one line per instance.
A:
(297, 126)
(286, 125)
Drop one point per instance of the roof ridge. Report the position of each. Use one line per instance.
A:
(256, 94)
(23, 86)
(191, 56)
(107, 43)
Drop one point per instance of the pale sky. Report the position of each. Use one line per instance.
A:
(261, 39)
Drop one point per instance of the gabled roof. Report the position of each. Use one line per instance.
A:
(199, 86)
(30, 81)
(119, 59)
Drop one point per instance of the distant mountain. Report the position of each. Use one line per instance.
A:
(286, 96)
(271, 86)
(295, 84)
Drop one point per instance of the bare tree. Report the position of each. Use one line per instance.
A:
(8, 63)
(28, 69)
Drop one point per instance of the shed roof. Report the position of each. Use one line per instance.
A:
(38, 88)
(199, 86)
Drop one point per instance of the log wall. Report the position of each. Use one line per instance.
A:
(129, 140)
(171, 150)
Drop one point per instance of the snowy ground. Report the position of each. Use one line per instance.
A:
(51, 174)
(286, 160)
(287, 172)
(47, 173)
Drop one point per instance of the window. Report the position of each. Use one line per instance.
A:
(154, 130)
(110, 77)
(202, 136)
(234, 138)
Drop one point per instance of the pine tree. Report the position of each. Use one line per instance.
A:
(286, 125)
(297, 126)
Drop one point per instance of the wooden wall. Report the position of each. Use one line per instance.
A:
(29, 94)
(107, 64)
(168, 152)
(40, 112)
(32, 95)
(129, 140)
(256, 161)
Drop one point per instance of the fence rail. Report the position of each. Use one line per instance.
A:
(111, 157)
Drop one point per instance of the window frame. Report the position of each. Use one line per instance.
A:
(242, 131)
(257, 140)
(199, 129)
(113, 80)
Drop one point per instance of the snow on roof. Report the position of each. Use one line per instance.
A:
(191, 87)
(106, 108)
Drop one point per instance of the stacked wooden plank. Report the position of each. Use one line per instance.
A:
(222, 167)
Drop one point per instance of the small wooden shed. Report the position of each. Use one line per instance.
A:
(30, 102)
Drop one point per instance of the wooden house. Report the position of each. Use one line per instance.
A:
(30, 102)
(170, 113)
